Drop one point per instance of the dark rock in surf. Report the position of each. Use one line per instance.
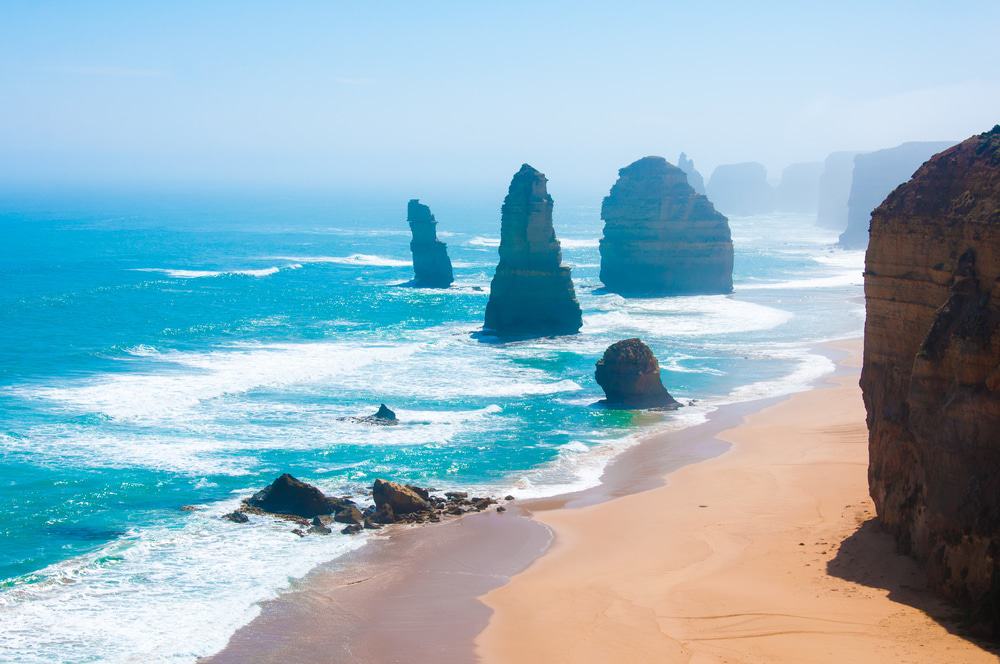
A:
(236, 517)
(293, 497)
(630, 376)
(431, 265)
(383, 416)
(662, 238)
(531, 294)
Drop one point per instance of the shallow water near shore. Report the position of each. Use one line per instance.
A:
(146, 365)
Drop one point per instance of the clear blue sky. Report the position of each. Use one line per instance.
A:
(455, 95)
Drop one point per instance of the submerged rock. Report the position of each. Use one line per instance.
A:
(741, 189)
(662, 238)
(630, 377)
(931, 372)
(694, 178)
(431, 265)
(875, 175)
(289, 496)
(834, 190)
(531, 294)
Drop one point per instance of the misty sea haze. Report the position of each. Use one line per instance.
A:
(147, 364)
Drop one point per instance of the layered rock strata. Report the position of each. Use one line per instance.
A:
(662, 238)
(834, 190)
(875, 175)
(741, 189)
(431, 265)
(532, 292)
(931, 375)
(630, 377)
(695, 179)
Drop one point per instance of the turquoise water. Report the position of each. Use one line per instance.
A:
(146, 364)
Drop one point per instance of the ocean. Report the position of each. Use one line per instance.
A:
(160, 357)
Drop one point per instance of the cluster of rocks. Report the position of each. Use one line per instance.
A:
(531, 294)
(314, 512)
(383, 416)
(661, 237)
(931, 372)
(431, 265)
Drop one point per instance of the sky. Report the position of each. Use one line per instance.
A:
(451, 97)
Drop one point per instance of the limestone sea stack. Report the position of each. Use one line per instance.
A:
(799, 187)
(834, 190)
(532, 292)
(695, 179)
(630, 377)
(875, 175)
(662, 238)
(931, 374)
(741, 189)
(431, 265)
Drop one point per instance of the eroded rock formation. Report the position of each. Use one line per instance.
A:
(662, 238)
(431, 265)
(630, 377)
(695, 179)
(931, 376)
(834, 190)
(741, 189)
(532, 292)
(875, 175)
(798, 190)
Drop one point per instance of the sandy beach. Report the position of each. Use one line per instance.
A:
(767, 553)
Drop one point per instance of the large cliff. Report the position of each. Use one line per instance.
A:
(532, 292)
(834, 190)
(695, 179)
(431, 265)
(741, 189)
(662, 238)
(799, 187)
(875, 175)
(931, 375)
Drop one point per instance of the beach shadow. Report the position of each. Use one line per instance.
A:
(869, 557)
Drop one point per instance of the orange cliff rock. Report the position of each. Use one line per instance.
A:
(931, 376)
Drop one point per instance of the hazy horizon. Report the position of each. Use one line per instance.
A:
(443, 101)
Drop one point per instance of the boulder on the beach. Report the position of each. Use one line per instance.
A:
(630, 376)
(399, 497)
(290, 496)
(350, 514)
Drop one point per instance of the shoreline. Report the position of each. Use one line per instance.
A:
(353, 601)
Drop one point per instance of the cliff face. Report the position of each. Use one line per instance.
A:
(875, 175)
(799, 188)
(532, 293)
(931, 376)
(741, 189)
(694, 177)
(431, 265)
(660, 237)
(630, 377)
(835, 189)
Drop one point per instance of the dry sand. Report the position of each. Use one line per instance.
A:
(764, 554)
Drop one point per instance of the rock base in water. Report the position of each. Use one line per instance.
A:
(532, 292)
(630, 376)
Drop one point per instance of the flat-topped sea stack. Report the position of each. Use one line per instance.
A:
(532, 292)
(834, 190)
(431, 265)
(661, 237)
(741, 189)
(931, 374)
(630, 377)
(875, 175)
(799, 187)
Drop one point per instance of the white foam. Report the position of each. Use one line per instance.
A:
(845, 280)
(579, 242)
(163, 594)
(482, 241)
(362, 260)
(682, 316)
(199, 274)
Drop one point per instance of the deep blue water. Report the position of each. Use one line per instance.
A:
(148, 363)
